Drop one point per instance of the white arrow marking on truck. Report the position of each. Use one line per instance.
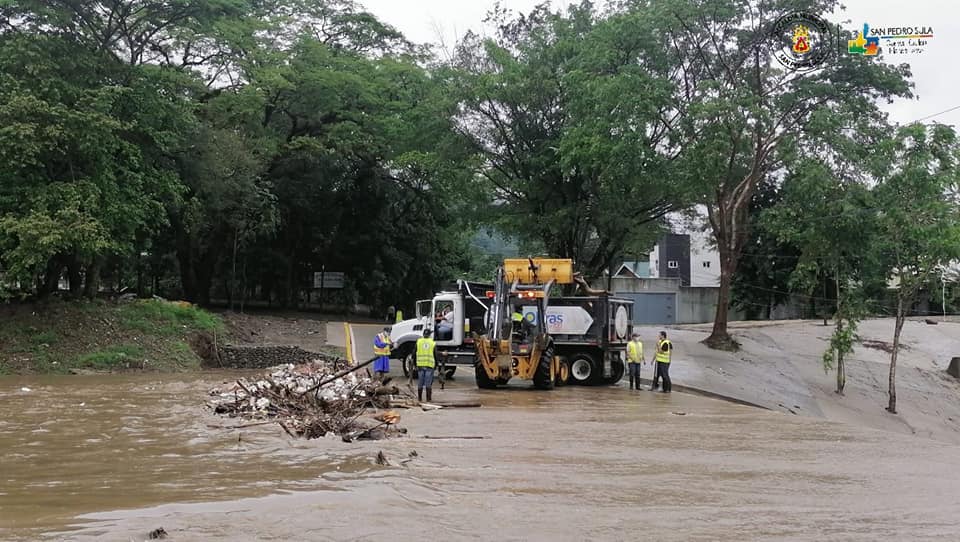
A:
(568, 320)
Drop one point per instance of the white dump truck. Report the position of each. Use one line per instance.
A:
(589, 333)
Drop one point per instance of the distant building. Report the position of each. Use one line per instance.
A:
(636, 270)
(678, 285)
(689, 257)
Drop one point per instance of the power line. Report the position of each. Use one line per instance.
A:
(954, 108)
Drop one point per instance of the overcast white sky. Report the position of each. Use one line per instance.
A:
(936, 73)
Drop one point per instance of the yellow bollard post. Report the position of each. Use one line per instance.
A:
(349, 343)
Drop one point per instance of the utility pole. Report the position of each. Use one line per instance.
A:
(323, 269)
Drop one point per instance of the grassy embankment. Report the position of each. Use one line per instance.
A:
(64, 337)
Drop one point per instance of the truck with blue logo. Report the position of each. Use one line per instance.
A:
(579, 339)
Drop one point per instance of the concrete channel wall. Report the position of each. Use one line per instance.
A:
(262, 356)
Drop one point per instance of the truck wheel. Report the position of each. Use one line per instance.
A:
(563, 374)
(617, 369)
(541, 377)
(409, 363)
(584, 369)
(483, 381)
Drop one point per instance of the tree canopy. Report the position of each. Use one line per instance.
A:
(230, 150)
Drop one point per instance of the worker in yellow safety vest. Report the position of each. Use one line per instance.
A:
(516, 320)
(663, 356)
(426, 363)
(381, 348)
(635, 360)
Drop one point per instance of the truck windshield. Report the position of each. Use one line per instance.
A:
(423, 307)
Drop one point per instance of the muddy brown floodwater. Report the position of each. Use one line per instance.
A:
(114, 457)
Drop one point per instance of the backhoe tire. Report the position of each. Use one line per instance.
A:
(542, 380)
(585, 370)
(563, 376)
(483, 381)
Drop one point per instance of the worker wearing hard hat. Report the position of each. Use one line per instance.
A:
(426, 364)
(381, 348)
(635, 360)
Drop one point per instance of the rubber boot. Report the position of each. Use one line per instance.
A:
(429, 394)
(420, 394)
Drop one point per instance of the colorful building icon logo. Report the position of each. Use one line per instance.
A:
(864, 44)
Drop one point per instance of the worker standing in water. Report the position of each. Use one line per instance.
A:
(635, 360)
(381, 348)
(426, 364)
(663, 357)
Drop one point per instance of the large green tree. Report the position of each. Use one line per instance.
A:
(239, 144)
(569, 125)
(78, 185)
(918, 224)
(827, 212)
(739, 113)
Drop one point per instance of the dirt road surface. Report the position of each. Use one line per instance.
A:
(114, 457)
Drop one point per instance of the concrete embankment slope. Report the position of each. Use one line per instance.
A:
(779, 367)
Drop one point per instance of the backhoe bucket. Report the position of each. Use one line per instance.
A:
(558, 270)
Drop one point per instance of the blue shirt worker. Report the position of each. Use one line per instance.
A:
(426, 364)
(381, 348)
(635, 360)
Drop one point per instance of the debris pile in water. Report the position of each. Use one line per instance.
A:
(311, 400)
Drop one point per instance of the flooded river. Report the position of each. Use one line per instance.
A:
(114, 457)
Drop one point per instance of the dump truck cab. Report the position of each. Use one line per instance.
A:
(452, 315)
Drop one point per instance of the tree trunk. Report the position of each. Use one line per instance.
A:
(74, 276)
(724, 220)
(824, 304)
(233, 271)
(719, 338)
(719, 334)
(841, 373)
(901, 316)
(92, 283)
(51, 277)
(139, 274)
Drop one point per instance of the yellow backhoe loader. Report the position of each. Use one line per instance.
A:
(517, 343)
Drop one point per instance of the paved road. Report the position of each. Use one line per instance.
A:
(363, 334)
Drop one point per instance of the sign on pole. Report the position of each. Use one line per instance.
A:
(328, 280)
